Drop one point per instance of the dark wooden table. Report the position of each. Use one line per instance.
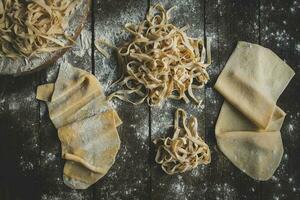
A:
(30, 163)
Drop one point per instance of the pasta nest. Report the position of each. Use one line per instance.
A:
(161, 61)
(28, 28)
(185, 150)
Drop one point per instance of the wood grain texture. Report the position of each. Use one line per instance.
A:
(31, 166)
(129, 176)
(19, 151)
(227, 22)
(190, 185)
(280, 31)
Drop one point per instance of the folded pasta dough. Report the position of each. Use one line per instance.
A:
(249, 123)
(92, 154)
(86, 125)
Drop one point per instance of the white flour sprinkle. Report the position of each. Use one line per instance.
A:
(290, 127)
(107, 68)
(73, 195)
(292, 9)
(26, 165)
(13, 106)
(49, 158)
(178, 187)
(83, 44)
(298, 48)
(274, 178)
(226, 191)
(143, 135)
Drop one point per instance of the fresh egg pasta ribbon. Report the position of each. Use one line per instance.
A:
(161, 61)
(185, 150)
(29, 28)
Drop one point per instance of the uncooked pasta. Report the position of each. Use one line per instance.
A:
(161, 61)
(28, 28)
(185, 150)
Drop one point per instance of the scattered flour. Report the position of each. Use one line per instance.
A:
(26, 165)
(163, 124)
(50, 157)
(143, 135)
(107, 70)
(298, 47)
(43, 110)
(224, 191)
(290, 127)
(292, 9)
(282, 37)
(73, 195)
(178, 188)
(272, 7)
(13, 106)
(83, 44)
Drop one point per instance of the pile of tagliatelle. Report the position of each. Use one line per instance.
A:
(161, 61)
(185, 150)
(28, 28)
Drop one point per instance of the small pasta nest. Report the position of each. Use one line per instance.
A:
(28, 28)
(185, 150)
(161, 61)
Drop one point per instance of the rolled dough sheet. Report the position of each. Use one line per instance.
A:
(87, 125)
(249, 123)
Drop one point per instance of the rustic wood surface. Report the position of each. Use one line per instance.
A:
(30, 163)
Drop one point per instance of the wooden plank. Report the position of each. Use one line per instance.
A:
(280, 32)
(227, 22)
(129, 176)
(19, 150)
(190, 185)
(31, 167)
(51, 164)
